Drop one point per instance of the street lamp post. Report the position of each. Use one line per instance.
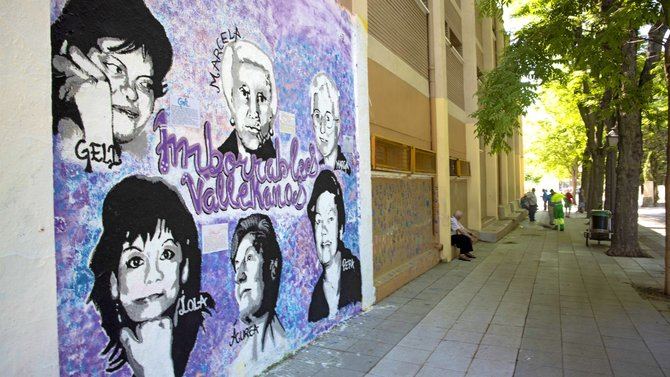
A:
(612, 141)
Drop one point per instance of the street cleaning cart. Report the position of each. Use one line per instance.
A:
(599, 227)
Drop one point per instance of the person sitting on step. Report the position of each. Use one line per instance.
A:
(462, 237)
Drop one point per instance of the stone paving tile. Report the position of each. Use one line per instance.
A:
(371, 347)
(464, 336)
(355, 362)
(543, 344)
(427, 344)
(490, 368)
(408, 354)
(497, 353)
(452, 355)
(634, 369)
(339, 372)
(501, 340)
(539, 358)
(335, 342)
(538, 303)
(388, 367)
(430, 371)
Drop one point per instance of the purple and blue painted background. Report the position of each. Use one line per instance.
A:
(302, 38)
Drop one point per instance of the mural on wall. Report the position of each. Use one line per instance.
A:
(206, 183)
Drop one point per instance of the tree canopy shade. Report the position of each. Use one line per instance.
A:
(560, 146)
(561, 36)
(601, 40)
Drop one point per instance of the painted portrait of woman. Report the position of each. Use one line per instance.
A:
(340, 282)
(146, 269)
(250, 93)
(109, 62)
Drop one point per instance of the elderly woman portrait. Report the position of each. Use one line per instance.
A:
(325, 107)
(146, 269)
(340, 282)
(109, 62)
(257, 263)
(249, 88)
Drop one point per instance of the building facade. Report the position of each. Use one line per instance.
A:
(406, 72)
(425, 62)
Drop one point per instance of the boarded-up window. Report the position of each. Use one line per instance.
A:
(390, 155)
(402, 27)
(424, 161)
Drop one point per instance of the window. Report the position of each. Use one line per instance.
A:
(455, 42)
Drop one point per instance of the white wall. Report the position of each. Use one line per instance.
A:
(28, 335)
(360, 57)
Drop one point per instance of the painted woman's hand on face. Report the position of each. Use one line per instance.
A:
(87, 85)
(150, 352)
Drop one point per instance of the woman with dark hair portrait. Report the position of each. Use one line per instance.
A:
(146, 269)
(257, 263)
(340, 282)
(109, 62)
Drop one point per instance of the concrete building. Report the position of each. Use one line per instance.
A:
(425, 60)
(404, 74)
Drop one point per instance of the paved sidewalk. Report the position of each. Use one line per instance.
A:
(537, 303)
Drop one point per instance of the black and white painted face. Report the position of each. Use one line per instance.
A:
(326, 228)
(149, 275)
(248, 277)
(130, 77)
(251, 102)
(325, 124)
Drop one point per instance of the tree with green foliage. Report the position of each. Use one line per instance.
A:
(601, 40)
(559, 149)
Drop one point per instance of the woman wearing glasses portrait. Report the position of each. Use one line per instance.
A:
(325, 106)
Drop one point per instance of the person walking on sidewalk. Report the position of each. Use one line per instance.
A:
(462, 237)
(569, 201)
(559, 217)
(550, 207)
(531, 201)
(545, 198)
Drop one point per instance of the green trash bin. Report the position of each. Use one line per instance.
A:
(600, 221)
(600, 226)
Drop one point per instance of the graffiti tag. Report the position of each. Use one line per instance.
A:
(224, 38)
(238, 337)
(191, 305)
(97, 152)
(347, 264)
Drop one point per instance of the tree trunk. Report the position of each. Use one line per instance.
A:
(586, 176)
(625, 221)
(595, 150)
(667, 171)
(597, 181)
(666, 55)
(629, 168)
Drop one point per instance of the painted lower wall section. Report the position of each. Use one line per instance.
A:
(403, 237)
(206, 183)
